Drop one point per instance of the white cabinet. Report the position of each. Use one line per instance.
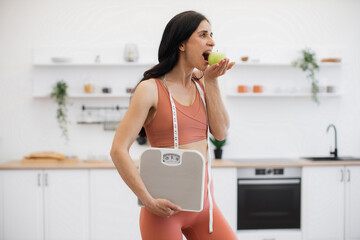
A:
(329, 207)
(114, 209)
(66, 204)
(45, 204)
(21, 205)
(352, 203)
(225, 193)
(276, 234)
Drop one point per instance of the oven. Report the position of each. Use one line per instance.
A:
(268, 198)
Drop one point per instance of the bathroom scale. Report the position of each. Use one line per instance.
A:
(177, 175)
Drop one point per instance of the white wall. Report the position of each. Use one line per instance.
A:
(259, 127)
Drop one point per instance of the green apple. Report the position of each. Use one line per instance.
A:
(215, 57)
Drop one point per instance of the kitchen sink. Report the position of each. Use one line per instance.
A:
(332, 158)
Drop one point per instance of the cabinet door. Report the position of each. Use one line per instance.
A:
(352, 198)
(282, 234)
(225, 193)
(323, 203)
(114, 209)
(66, 194)
(21, 205)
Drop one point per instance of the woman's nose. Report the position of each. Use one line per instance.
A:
(211, 42)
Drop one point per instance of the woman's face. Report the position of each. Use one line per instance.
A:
(197, 48)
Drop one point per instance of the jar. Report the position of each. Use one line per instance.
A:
(257, 89)
(131, 53)
(89, 88)
(242, 89)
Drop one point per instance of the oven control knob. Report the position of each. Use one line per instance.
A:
(268, 171)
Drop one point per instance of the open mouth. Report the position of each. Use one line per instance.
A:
(206, 55)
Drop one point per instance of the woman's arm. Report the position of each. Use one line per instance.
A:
(218, 117)
(143, 99)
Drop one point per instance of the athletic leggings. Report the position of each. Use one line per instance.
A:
(194, 225)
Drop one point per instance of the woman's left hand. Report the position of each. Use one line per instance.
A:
(218, 69)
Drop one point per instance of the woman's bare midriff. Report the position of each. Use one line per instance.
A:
(200, 146)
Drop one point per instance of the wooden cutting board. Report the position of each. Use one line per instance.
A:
(49, 160)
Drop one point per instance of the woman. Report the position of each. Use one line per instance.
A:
(185, 45)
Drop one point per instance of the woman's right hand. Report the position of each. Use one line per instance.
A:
(163, 207)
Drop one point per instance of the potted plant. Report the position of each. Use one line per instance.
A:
(59, 94)
(308, 63)
(218, 146)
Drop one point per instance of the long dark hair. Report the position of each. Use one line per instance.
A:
(177, 31)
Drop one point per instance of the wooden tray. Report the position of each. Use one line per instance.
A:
(49, 160)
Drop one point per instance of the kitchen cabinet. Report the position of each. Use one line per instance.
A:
(225, 189)
(330, 203)
(277, 234)
(22, 205)
(114, 209)
(44, 204)
(352, 203)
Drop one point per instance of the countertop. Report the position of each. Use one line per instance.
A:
(223, 163)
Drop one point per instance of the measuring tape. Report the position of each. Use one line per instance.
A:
(176, 145)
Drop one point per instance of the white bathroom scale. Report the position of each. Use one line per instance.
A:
(177, 175)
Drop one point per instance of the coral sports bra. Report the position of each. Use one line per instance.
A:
(192, 122)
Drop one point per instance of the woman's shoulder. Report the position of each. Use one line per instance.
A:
(147, 85)
(147, 90)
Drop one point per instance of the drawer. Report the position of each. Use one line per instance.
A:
(269, 234)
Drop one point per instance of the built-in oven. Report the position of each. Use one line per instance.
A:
(269, 198)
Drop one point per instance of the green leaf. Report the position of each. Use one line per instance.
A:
(218, 144)
(308, 64)
(59, 94)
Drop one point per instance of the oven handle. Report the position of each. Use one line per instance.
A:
(269, 181)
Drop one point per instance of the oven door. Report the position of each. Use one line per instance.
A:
(268, 203)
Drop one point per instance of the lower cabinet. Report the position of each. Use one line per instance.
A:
(277, 234)
(113, 207)
(331, 203)
(225, 193)
(96, 204)
(92, 204)
(44, 204)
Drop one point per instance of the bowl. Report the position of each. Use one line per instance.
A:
(60, 59)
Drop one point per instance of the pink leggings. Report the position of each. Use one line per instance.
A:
(194, 225)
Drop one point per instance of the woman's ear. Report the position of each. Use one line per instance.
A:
(182, 47)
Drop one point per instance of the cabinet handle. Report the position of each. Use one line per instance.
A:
(342, 175)
(46, 179)
(39, 179)
(348, 172)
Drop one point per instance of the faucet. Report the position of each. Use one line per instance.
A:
(335, 152)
